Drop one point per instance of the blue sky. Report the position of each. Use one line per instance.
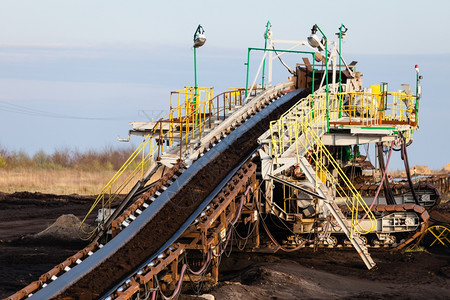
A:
(74, 73)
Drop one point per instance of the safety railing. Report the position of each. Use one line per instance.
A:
(131, 171)
(190, 114)
(287, 130)
(440, 234)
(364, 108)
(344, 188)
(189, 108)
(302, 126)
(188, 121)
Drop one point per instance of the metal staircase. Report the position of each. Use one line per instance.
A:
(298, 134)
(329, 203)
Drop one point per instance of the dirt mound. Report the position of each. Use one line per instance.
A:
(421, 170)
(446, 169)
(65, 228)
(333, 274)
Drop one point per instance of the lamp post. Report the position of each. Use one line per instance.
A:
(418, 91)
(341, 34)
(199, 40)
(314, 42)
(267, 35)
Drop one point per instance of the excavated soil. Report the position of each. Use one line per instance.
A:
(23, 257)
(174, 213)
(305, 274)
(335, 274)
(26, 252)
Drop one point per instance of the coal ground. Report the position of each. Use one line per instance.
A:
(181, 205)
(305, 274)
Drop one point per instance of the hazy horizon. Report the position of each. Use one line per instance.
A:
(74, 73)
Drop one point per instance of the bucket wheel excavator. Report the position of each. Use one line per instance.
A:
(229, 169)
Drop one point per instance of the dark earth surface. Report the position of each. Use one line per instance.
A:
(179, 207)
(305, 274)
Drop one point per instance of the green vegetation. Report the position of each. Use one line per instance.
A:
(65, 171)
(107, 159)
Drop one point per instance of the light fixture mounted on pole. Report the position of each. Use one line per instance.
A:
(341, 34)
(267, 36)
(199, 40)
(418, 91)
(321, 44)
(199, 37)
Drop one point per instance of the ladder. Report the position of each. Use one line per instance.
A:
(353, 236)
(298, 132)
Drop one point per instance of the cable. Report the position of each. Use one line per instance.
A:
(178, 287)
(381, 183)
(279, 247)
(18, 109)
(408, 174)
(282, 62)
(387, 188)
(383, 177)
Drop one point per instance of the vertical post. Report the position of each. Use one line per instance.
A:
(340, 58)
(199, 40)
(416, 105)
(181, 139)
(195, 78)
(384, 89)
(314, 71)
(143, 162)
(340, 72)
(248, 70)
(327, 90)
(313, 80)
(265, 48)
(326, 78)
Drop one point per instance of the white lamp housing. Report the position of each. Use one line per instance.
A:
(315, 42)
(200, 40)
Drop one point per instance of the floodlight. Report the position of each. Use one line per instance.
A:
(199, 37)
(315, 42)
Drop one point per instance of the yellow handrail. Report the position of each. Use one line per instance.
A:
(139, 161)
(368, 108)
(351, 196)
(187, 119)
(440, 233)
(302, 126)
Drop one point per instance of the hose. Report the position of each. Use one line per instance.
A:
(203, 268)
(408, 174)
(178, 287)
(282, 62)
(387, 188)
(381, 183)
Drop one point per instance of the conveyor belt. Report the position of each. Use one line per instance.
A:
(128, 250)
(186, 224)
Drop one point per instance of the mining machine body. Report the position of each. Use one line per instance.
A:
(268, 167)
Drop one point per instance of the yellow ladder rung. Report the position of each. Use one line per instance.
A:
(440, 232)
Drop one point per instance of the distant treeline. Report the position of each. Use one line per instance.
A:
(91, 160)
